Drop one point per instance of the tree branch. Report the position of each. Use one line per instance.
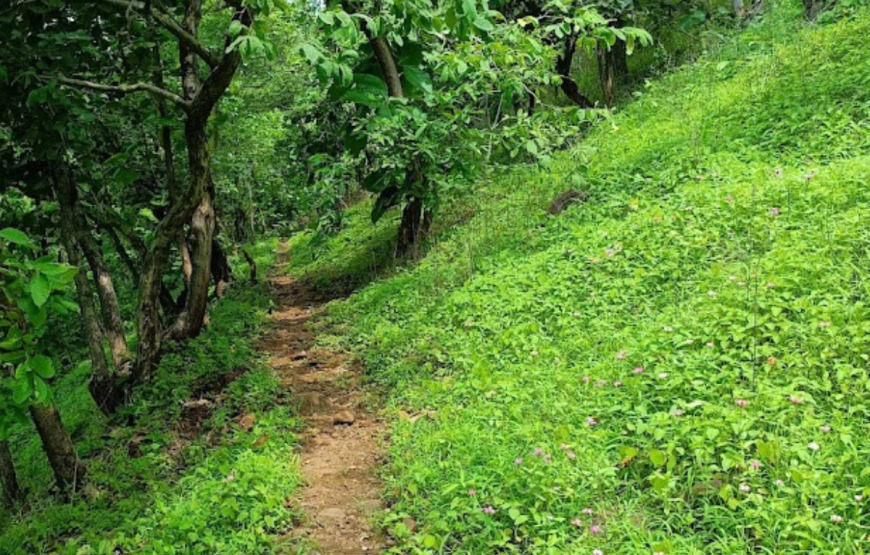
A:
(221, 77)
(124, 89)
(173, 27)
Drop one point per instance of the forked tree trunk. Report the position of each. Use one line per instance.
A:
(102, 386)
(111, 308)
(192, 317)
(202, 98)
(69, 472)
(11, 491)
(563, 68)
(416, 221)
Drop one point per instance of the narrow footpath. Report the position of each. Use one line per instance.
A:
(340, 454)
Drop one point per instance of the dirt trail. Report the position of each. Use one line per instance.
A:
(340, 453)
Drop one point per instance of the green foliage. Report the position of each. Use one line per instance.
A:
(31, 289)
(466, 76)
(682, 355)
(170, 481)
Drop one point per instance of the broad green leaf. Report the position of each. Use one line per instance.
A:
(13, 235)
(40, 289)
(42, 365)
(311, 53)
(418, 78)
(484, 24)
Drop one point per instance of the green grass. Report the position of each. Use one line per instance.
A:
(159, 484)
(724, 252)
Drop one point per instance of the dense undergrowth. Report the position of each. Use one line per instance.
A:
(172, 474)
(677, 365)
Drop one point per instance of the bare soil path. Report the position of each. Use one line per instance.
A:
(340, 453)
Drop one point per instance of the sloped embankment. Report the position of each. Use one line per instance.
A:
(676, 366)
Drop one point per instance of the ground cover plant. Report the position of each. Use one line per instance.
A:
(173, 474)
(676, 365)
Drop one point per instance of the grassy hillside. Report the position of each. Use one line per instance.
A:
(678, 365)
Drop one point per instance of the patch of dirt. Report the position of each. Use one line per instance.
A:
(340, 449)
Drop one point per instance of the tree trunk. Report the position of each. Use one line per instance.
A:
(102, 386)
(111, 308)
(612, 66)
(387, 64)
(68, 470)
(416, 221)
(563, 68)
(192, 317)
(203, 98)
(11, 491)
(739, 7)
(252, 266)
(221, 272)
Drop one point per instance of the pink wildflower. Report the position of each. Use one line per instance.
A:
(825, 429)
(774, 211)
(586, 379)
(779, 483)
(597, 552)
(744, 488)
(813, 446)
(518, 461)
(742, 403)
(795, 400)
(663, 375)
(587, 511)
(617, 383)
(591, 421)
(638, 370)
(711, 293)
(564, 446)
(576, 522)
(571, 455)
(824, 325)
(488, 510)
(836, 519)
(595, 529)
(621, 354)
(600, 383)
(472, 492)
(678, 413)
(755, 464)
(539, 452)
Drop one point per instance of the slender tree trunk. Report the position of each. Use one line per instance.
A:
(221, 272)
(102, 386)
(68, 470)
(416, 221)
(563, 68)
(739, 7)
(252, 266)
(202, 225)
(612, 66)
(111, 308)
(11, 491)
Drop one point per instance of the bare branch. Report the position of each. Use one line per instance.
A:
(125, 89)
(173, 27)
